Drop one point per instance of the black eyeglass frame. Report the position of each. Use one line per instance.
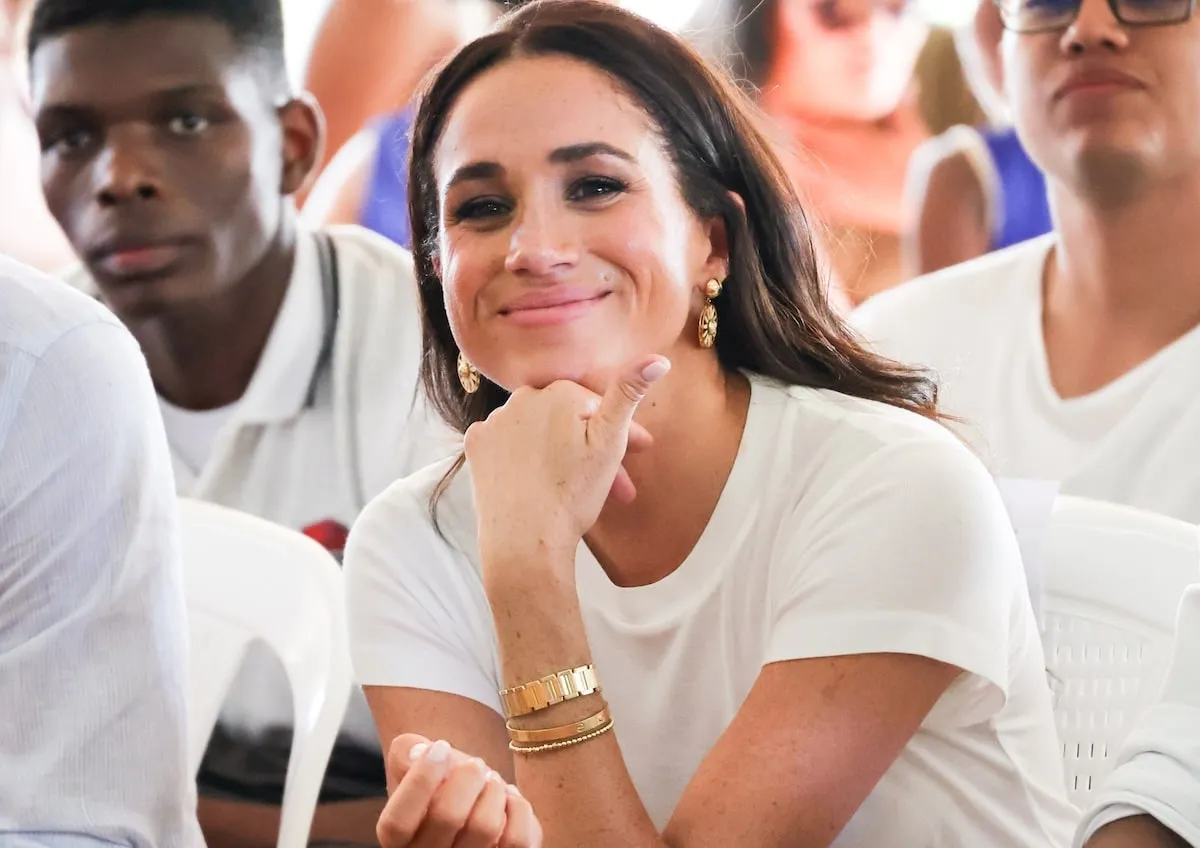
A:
(1009, 18)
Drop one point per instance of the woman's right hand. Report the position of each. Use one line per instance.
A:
(443, 798)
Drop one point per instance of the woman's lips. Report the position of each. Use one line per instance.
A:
(549, 309)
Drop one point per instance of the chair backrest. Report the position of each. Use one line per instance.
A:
(1114, 579)
(246, 580)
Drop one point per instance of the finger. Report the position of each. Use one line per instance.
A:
(639, 438)
(611, 422)
(452, 804)
(400, 755)
(486, 823)
(522, 829)
(623, 491)
(406, 809)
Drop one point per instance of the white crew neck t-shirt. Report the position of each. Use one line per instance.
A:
(978, 326)
(845, 527)
(193, 432)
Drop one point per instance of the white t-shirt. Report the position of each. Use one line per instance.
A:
(846, 527)
(192, 432)
(978, 326)
(1158, 769)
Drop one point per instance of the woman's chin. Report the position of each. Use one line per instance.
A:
(591, 376)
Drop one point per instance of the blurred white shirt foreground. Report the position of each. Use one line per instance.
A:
(92, 620)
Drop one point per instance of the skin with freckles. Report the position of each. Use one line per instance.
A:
(571, 270)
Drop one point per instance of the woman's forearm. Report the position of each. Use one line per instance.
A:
(1136, 832)
(582, 794)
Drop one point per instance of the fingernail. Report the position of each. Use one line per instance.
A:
(416, 751)
(656, 370)
(494, 777)
(439, 752)
(514, 791)
(481, 765)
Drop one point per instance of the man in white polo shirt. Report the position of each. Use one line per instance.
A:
(1076, 357)
(1152, 798)
(93, 731)
(286, 361)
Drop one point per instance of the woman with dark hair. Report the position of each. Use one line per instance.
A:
(709, 573)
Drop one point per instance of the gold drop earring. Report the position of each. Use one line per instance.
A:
(708, 315)
(468, 375)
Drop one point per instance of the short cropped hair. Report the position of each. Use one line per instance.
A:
(256, 25)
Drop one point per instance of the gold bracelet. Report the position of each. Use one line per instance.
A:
(566, 743)
(549, 690)
(558, 734)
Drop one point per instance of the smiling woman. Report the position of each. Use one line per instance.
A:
(710, 574)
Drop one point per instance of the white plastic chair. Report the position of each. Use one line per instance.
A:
(1114, 579)
(245, 580)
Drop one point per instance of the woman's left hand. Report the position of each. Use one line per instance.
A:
(439, 797)
(544, 464)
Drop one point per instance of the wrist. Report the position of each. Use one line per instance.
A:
(535, 574)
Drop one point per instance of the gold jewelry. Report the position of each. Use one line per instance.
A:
(708, 315)
(561, 733)
(468, 375)
(566, 743)
(550, 690)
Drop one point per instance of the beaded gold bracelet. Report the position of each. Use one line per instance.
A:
(541, 736)
(565, 743)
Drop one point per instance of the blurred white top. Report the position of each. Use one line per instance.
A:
(92, 621)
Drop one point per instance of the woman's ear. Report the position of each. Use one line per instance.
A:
(718, 240)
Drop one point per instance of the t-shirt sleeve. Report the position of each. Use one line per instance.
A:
(418, 615)
(911, 553)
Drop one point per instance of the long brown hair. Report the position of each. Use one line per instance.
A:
(775, 317)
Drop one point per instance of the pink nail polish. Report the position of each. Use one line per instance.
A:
(656, 370)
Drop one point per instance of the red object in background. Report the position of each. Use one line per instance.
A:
(329, 534)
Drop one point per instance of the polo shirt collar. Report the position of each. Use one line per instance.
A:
(279, 389)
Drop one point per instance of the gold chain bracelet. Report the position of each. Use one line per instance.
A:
(566, 743)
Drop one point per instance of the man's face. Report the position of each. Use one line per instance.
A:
(1100, 101)
(164, 159)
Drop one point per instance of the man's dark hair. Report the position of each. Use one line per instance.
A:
(256, 25)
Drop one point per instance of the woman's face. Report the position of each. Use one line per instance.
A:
(565, 248)
(850, 59)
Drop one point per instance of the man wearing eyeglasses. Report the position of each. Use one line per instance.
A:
(1075, 357)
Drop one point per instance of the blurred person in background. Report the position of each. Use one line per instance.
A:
(28, 233)
(1075, 357)
(369, 56)
(93, 636)
(855, 87)
(285, 359)
(366, 181)
(975, 190)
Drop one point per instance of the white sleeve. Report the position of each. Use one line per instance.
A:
(1158, 768)
(913, 553)
(92, 621)
(418, 615)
